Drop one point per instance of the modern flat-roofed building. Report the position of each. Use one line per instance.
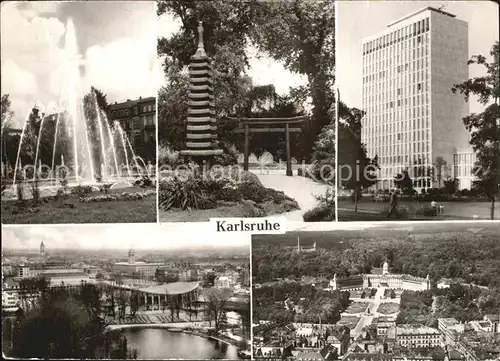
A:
(412, 116)
(138, 119)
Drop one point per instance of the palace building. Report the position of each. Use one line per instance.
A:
(381, 279)
(135, 267)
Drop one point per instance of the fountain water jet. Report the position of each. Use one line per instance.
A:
(77, 123)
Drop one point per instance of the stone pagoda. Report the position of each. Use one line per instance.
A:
(201, 135)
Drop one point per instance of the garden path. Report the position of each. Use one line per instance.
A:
(301, 189)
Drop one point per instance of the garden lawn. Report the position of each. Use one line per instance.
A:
(372, 211)
(48, 210)
(357, 307)
(388, 308)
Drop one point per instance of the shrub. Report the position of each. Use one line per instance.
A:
(81, 190)
(228, 157)
(4, 187)
(319, 214)
(185, 194)
(167, 156)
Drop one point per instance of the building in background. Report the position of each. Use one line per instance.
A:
(135, 268)
(412, 116)
(138, 119)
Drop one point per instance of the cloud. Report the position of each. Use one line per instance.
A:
(120, 63)
(122, 68)
(121, 236)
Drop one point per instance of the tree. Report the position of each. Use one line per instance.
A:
(217, 299)
(229, 27)
(101, 98)
(485, 126)
(6, 112)
(357, 170)
(404, 182)
(61, 326)
(134, 303)
(440, 166)
(451, 186)
(302, 35)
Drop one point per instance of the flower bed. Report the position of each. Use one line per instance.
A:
(197, 193)
(117, 197)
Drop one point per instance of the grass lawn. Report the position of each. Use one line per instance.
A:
(357, 307)
(349, 321)
(388, 308)
(48, 210)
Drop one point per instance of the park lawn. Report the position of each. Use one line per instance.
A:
(349, 321)
(51, 211)
(388, 308)
(357, 307)
(372, 211)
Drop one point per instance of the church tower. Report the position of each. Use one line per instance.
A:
(42, 249)
(131, 256)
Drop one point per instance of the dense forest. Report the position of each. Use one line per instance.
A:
(465, 257)
(465, 303)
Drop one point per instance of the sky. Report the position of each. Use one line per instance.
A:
(121, 236)
(359, 19)
(116, 39)
(263, 69)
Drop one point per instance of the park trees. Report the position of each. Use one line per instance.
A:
(403, 182)
(440, 169)
(217, 300)
(485, 126)
(10, 140)
(357, 171)
(303, 41)
(64, 325)
(302, 35)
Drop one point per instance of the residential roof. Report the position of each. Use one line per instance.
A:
(129, 103)
(408, 330)
(364, 356)
(309, 356)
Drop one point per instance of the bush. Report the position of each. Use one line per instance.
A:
(185, 194)
(321, 213)
(228, 157)
(81, 190)
(167, 156)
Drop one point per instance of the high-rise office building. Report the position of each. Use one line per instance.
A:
(412, 116)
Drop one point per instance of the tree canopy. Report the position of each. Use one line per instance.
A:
(304, 42)
(484, 127)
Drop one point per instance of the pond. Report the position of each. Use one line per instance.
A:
(156, 343)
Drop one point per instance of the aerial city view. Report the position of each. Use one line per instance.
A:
(117, 296)
(419, 292)
(418, 110)
(78, 120)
